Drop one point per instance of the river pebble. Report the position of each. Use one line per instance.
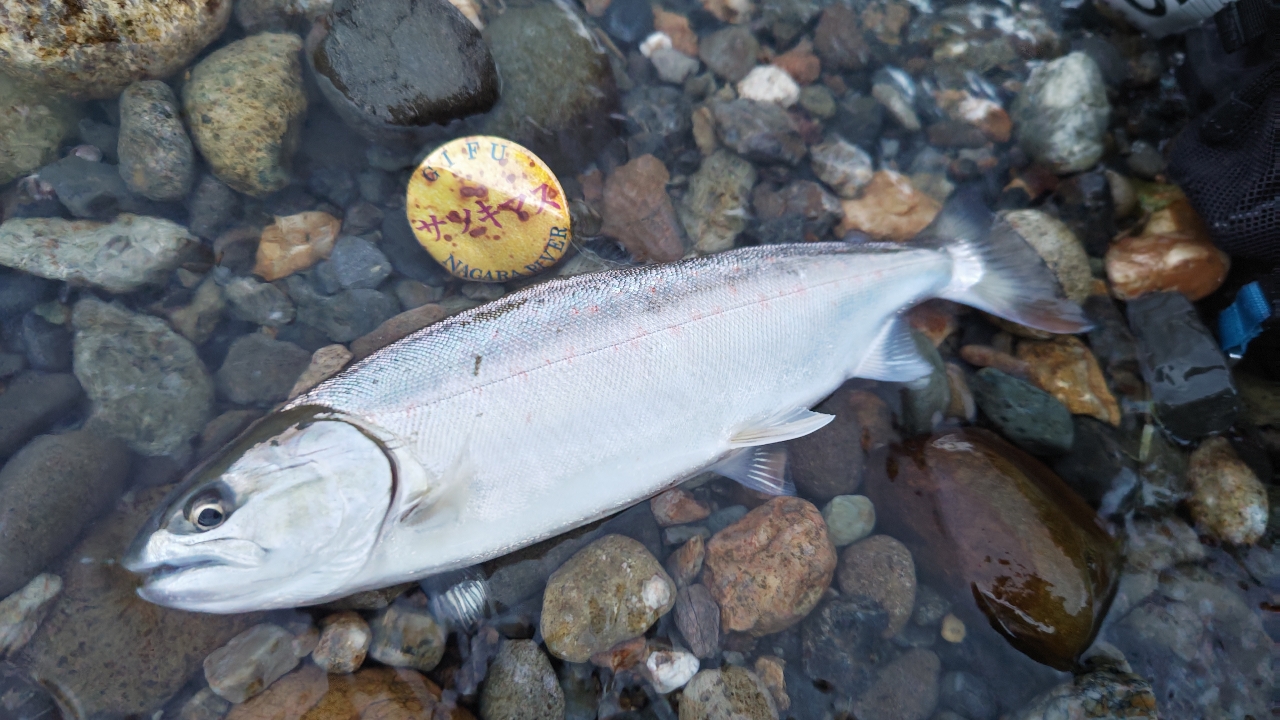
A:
(638, 211)
(35, 124)
(521, 685)
(1024, 414)
(1062, 113)
(1066, 368)
(614, 572)
(881, 568)
(258, 302)
(761, 132)
(1060, 249)
(259, 370)
(1227, 499)
(1174, 252)
(356, 263)
(849, 518)
(698, 618)
(889, 208)
(1098, 694)
(905, 689)
(730, 692)
(157, 159)
(686, 562)
(250, 662)
(295, 242)
(715, 209)
(30, 403)
(343, 644)
(676, 507)
(406, 634)
(844, 166)
(22, 611)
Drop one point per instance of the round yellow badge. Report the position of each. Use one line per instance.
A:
(488, 210)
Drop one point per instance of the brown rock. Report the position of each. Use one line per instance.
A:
(638, 211)
(139, 654)
(325, 363)
(885, 20)
(698, 619)
(730, 11)
(800, 63)
(704, 130)
(686, 562)
(676, 26)
(986, 115)
(881, 568)
(1066, 369)
(838, 39)
(770, 671)
(1156, 263)
(770, 568)
(875, 418)
(288, 698)
(904, 689)
(987, 356)
(1227, 499)
(343, 643)
(396, 328)
(677, 507)
(609, 591)
(730, 693)
(830, 462)
(935, 319)
(381, 694)
(94, 48)
(294, 243)
(626, 654)
(891, 208)
(985, 520)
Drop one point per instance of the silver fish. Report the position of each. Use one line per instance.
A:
(563, 403)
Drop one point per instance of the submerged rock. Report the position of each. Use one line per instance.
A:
(985, 520)
(521, 685)
(1227, 499)
(730, 692)
(389, 68)
(881, 569)
(157, 159)
(1062, 113)
(343, 644)
(33, 125)
(249, 663)
(906, 688)
(1104, 693)
(30, 403)
(638, 211)
(715, 209)
(407, 635)
(22, 611)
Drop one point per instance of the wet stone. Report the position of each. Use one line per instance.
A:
(761, 132)
(249, 663)
(1190, 383)
(730, 692)
(19, 292)
(818, 100)
(521, 685)
(1027, 416)
(967, 695)
(672, 65)
(30, 403)
(638, 211)
(147, 385)
(245, 103)
(730, 52)
(578, 621)
(1102, 693)
(769, 569)
(1113, 344)
(48, 346)
(357, 263)
(25, 699)
(347, 315)
(889, 208)
(714, 210)
(407, 635)
(769, 84)
(388, 68)
(22, 611)
(1062, 112)
(686, 562)
(157, 159)
(93, 190)
(71, 250)
(838, 39)
(880, 568)
(841, 642)
(258, 302)
(1065, 368)
(394, 328)
(204, 705)
(658, 121)
(676, 507)
(698, 618)
(1057, 246)
(849, 518)
(844, 166)
(830, 462)
(295, 242)
(1227, 499)
(1101, 467)
(904, 689)
(670, 670)
(925, 400)
(259, 370)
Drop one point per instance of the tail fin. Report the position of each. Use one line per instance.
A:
(995, 270)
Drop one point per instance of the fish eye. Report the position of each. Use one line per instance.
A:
(207, 511)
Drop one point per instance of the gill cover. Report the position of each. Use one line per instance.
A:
(284, 516)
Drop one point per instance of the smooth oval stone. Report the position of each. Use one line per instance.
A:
(986, 520)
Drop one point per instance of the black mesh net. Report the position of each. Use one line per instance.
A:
(1228, 164)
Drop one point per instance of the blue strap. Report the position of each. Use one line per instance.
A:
(1242, 320)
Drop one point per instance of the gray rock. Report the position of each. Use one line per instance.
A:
(672, 65)
(1144, 160)
(362, 218)
(557, 104)
(1058, 246)
(1186, 372)
(347, 315)
(258, 302)
(724, 517)
(260, 370)
(698, 618)
(930, 608)
(407, 635)
(120, 256)
(334, 184)
(48, 346)
(1102, 466)
(926, 399)
(406, 254)
(146, 382)
(92, 190)
(581, 693)
(197, 320)
(658, 121)
(730, 52)
(358, 263)
(521, 685)
(250, 662)
(849, 518)
(413, 294)
(786, 19)
(1062, 113)
(1113, 344)
(1107, 692)
(103, 136)
(1029, 417)
(49, 492)
(375, 186)
(762, 132)
(715, 209)
(19, 292)
(30, 403)
(211, 207)
(968, 695)
(11, 364)
(730, 692)
(818, 100)
(204, 705)
(844, 166)
(157, 159)
(389, 68)
(904, 689)
(35, 123)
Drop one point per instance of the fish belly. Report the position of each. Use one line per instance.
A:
(588, 398)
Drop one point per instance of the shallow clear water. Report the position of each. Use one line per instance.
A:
(1040, 528)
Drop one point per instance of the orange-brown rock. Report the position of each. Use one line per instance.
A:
(288, 698)
(891, 208)
(769, 569)
(626, 654)
(987, 356)
(935, 319)
(1155, 263)
(730, 11)
(986, 115)
(800, 63)
(677, 507)
(396, 328)
(638, 211)
(295, 242)
(382, 693)
(770, 669)
(986, 521)
(686, 562)
(1066, 369)
(676, 26)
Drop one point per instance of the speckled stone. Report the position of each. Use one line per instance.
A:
(1106, 693)
(94, 48)
(610, 591)
(156, 157)
(521, 685)
(1227, 499)
(730, 692)
(32, 125)
(245, 105)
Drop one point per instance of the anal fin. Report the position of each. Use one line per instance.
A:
(893, 356)
(788, 426)
(762, 468)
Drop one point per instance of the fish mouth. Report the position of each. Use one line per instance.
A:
(159, 573)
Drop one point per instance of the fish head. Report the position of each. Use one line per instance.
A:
(284, 516)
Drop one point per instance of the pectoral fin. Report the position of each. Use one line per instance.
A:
(894, 356)
(444, 497)
(789, 426)
(759, 468)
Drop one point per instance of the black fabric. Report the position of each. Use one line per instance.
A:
(1228, 164)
